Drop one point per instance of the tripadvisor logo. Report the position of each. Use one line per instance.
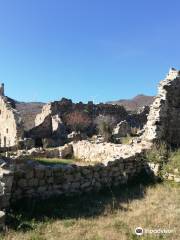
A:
(139, 231)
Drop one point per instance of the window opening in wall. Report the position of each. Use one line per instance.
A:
(4, 141)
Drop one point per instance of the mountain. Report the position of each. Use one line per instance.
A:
(28, 111)
(134, 103)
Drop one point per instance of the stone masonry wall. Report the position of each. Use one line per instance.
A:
(35, 180)
(66, 106)
(11, 128)
(6, 181)
(104, 152)
(164, 117)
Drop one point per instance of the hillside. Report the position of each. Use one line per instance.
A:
(28, 112)
(134, 103)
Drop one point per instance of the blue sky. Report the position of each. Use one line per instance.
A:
(87, 49)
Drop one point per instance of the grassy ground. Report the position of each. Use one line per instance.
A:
(52, 161)
(110, 215)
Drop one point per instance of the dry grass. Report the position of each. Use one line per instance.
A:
(106, 216)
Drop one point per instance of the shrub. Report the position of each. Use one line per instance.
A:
(173, 164)
(158, 153)
(104, 126)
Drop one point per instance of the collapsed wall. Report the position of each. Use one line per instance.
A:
(65, 106)
(164, 118)
(6, 181)
(103, 152)
(11, 126)
(35, 180)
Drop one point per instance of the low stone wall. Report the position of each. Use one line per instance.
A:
(35, 180)
(65, 151)
(104, 152)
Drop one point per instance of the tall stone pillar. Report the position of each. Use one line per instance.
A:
(2, 89)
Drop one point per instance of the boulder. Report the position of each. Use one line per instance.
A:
(74, 136)
(66, 151)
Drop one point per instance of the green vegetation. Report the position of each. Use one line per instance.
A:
(126, 140)
(159, 153)
(52, 161)
(168, 160)
(173, 164)
(104, 126)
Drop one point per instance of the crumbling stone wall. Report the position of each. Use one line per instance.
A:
(34, 180)
(62, 108)
(11, 126)
(65, 106)
(164, 117)
(104, 152)
(6, 181)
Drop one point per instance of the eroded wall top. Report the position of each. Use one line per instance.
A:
(164, 117)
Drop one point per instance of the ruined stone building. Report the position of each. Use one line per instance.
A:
(164, 118)
(10, 122)
(37, 124)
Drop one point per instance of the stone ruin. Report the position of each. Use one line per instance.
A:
(164, 118)
(113, 164)
(45, 125)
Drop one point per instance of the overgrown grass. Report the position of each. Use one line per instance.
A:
(112, 214)
(173, 164)
(168, 159)
(126, 140)
(159, 153)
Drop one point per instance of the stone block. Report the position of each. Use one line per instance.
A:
(2, 220)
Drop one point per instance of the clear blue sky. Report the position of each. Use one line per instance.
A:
(87, 49)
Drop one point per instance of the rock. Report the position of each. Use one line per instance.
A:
(121, 130)
(170, 177)
(177, 179)
(74, 136)
(66, 151)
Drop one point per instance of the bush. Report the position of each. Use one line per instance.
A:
(159, 153)
(104, 126)
(173, 164)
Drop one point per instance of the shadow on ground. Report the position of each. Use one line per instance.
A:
(82, 206)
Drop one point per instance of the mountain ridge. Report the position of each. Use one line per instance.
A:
(134, 103)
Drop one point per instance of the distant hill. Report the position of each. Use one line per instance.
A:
(28, 111)
(134, 103)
